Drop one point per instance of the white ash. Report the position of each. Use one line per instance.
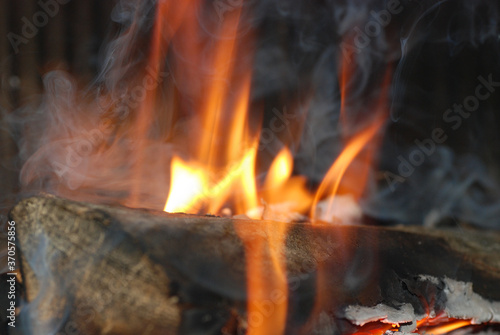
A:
(360, 315)
(282, 212)
(461, 303)
(339, 209)
(342, 209)
(464, 303)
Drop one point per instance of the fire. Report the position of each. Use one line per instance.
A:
(280, 187)
(216, 175)
(446, 328)
(438, 325)
(359, 150)
(186, 188)
(221, 170)
(222, 152)
(267, 288)
(333, 178)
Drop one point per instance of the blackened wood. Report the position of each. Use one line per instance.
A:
(185, 274)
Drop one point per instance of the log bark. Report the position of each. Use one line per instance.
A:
(115, 270)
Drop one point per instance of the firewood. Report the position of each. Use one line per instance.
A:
(115, 270)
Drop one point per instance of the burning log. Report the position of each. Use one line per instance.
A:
(112, 270)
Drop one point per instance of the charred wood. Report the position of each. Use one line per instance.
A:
(115, 270)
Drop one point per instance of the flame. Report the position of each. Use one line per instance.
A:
(186, 188)
(331, 183)
(280, 170)
(221, 172)
(437, 325)
(358, 152)
(216, 174)
(267, 288)
(221, 169)
(161, 37)
(280, 187)
(446, 328)
(440, 324)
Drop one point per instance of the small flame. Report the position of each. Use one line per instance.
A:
(267, 288)
(280, 187)
(437, 325)
(334, 176)
(187, 186)
(358, 152)
(280, 170)
(446, 328)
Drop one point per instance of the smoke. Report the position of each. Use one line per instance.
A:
(35, 316)
(84, 143)
(445, 187)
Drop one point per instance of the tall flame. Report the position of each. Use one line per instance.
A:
(222, 169)
(359, 150)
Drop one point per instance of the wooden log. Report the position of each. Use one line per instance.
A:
(114, 270)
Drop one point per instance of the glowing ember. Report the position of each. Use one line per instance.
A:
(446, 328)
(436, 326)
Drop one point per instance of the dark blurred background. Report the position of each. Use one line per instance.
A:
(68, 35)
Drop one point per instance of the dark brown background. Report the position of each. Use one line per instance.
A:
(71, 41)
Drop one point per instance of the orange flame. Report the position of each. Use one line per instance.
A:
(161, 37)
(222, 174)
(217, 174)
(358, 151)
(438, 325)
(220, 171)
(280, 187)
(267, 289)
(446, 328)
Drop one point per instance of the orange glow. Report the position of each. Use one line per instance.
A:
(221, 169)
(359, 150)
(161, 37)
(216, 175)
(222, 152)
(331, 182)
(186, 188)
(438, 325)
(280, 170)
(281, 187)
(446, 328)
(267, 289)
